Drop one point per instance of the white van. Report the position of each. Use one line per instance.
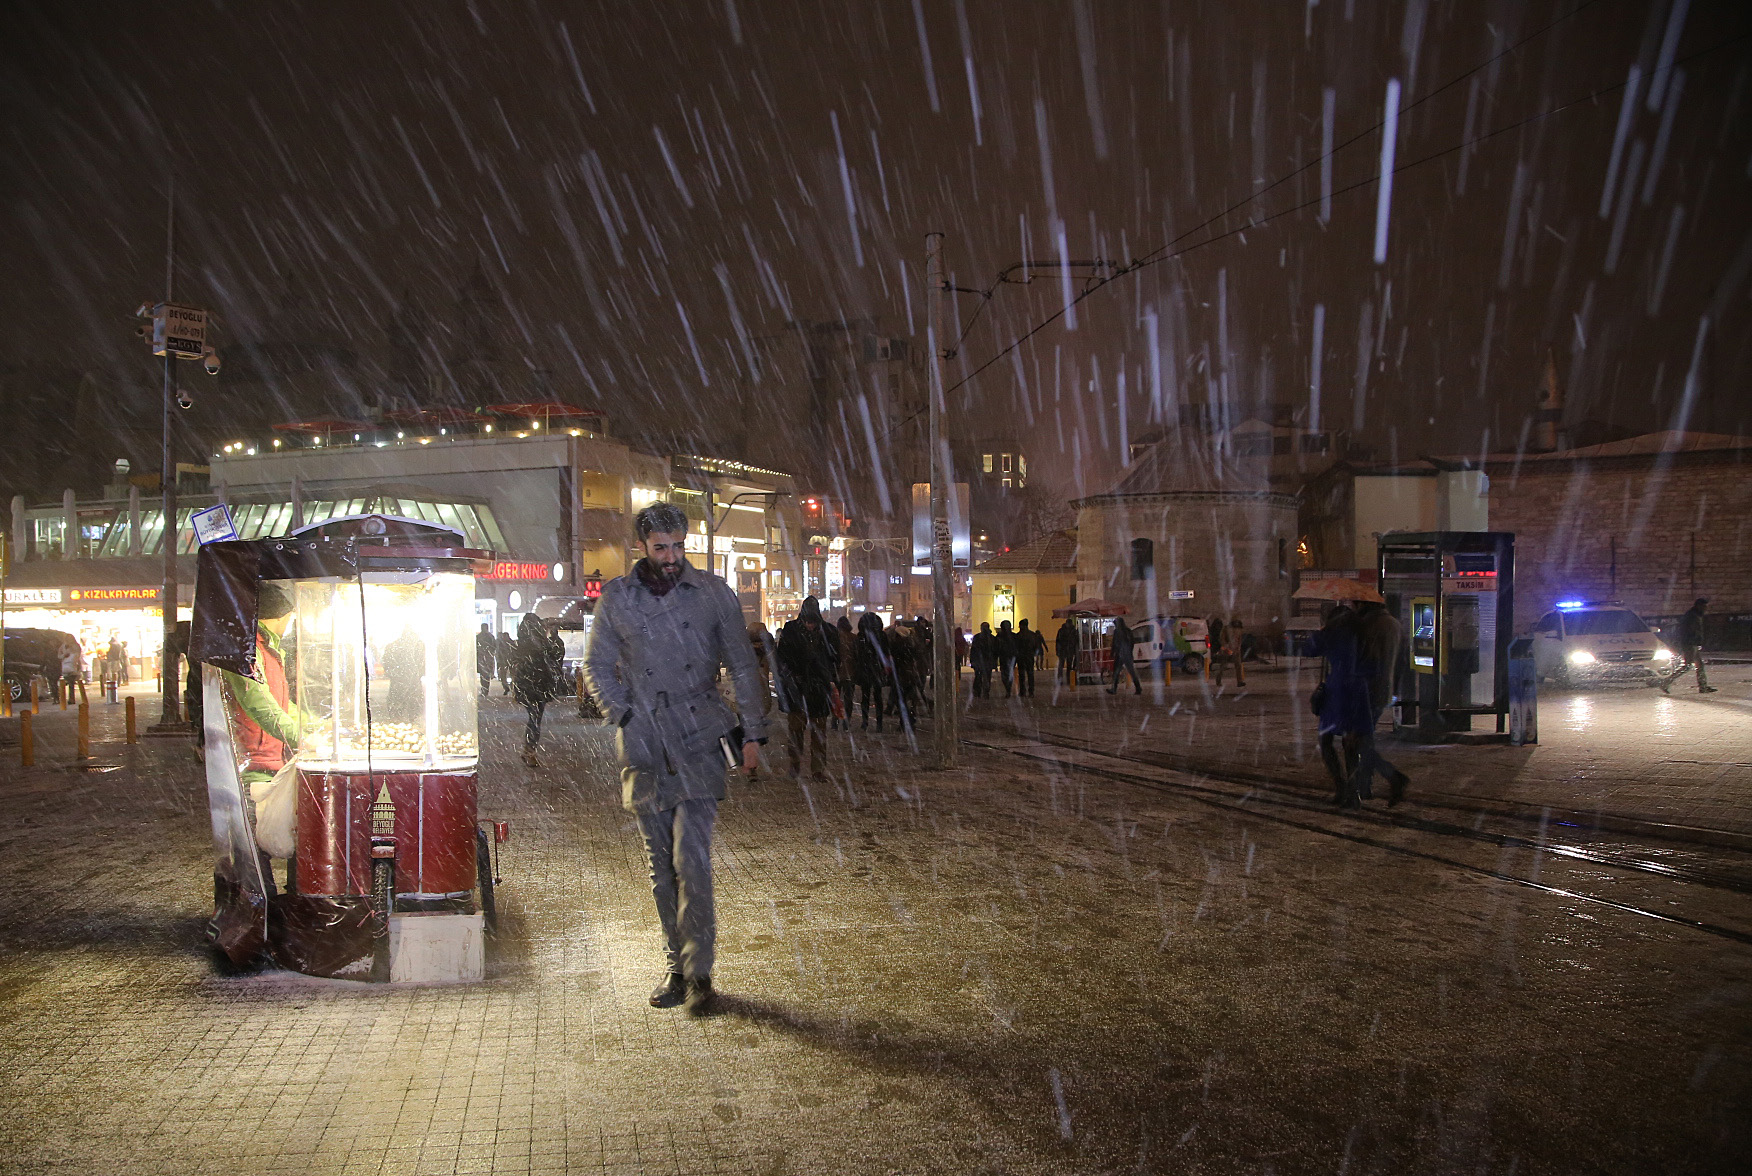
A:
(1184, 641)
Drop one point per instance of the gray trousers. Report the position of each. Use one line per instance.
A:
(678, 845)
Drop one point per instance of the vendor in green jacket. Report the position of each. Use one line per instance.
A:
(268, 724)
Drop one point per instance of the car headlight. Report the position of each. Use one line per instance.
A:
(1662, 653)
(1581, 657)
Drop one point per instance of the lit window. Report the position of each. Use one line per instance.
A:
(1006, 463)
(1021, 464)
(1006, 483)
(986, 462)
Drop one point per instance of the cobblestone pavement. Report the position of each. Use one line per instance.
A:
(1010, 967)
(1631, 756)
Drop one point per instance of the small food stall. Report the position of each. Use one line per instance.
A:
(340, 735)
(1094, 621)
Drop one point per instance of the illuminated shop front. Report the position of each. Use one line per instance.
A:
(97, 615)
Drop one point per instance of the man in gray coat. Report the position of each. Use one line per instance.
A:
(660, 634)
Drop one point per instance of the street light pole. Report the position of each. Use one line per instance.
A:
(945, 712)
(170, 719)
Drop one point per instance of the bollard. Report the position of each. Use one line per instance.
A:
(85, 730)
(26, 740)
(128, 705)
(63, 691)
(35, 705)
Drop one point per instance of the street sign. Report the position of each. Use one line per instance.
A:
(958, 539)
(214, 524)
(179, 330)
(1180, 594)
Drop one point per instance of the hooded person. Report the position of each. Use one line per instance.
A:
(808, 671)
(661, 634)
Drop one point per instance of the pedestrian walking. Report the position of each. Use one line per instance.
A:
(115, 660)
(1341, 702)
(845, 639)
(507, 661)
(1067, 644)
(808, 673)
(1123, 643)
(1007, 651)
(1691, 648)
(660, 635)
(486, 655)
(72, 671)
(1228, 651)
(871, 668)
(983, 655)
(1379, 640)
(1029, 645)
(760, 642)
(960, 650)
(539, 656)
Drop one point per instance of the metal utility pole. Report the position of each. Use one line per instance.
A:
(170, 719)
(946, 711)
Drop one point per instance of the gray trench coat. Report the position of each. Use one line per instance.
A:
(652, 666)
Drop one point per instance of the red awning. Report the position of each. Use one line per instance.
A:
(437, 417)
(542, 409)
(1091, 608)
(323, 428)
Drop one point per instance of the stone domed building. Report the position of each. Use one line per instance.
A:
(1190, 530)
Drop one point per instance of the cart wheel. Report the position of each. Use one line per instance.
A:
(484, 873)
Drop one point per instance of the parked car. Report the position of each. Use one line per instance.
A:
(1594, 641)
(33, 653)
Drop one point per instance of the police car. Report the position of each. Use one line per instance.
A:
(1592, 641)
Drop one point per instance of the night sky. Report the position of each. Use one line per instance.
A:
(652, 191)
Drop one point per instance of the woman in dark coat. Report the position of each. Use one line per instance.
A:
(847, 641)
(870, 667)
(1345, 712)
(537, 677)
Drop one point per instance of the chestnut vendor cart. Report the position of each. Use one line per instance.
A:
(339, 692)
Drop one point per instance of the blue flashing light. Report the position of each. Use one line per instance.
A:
(1569, 604)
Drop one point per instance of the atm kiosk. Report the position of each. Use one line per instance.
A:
(1454, 593)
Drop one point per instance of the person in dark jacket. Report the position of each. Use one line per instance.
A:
(871, 668)
(1007, 651)
(1123, 643)
(507, 661)
(1029, 645)
(808, 670)
(1379, 639)
(1345, 713)
(486, 654)
(539, 654)
(1691, 648)
(845, 640)
(983, 654)
(1067, 644)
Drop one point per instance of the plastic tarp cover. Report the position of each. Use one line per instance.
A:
(227, 579)
(241, 885)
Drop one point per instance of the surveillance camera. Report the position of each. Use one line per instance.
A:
(184, 400)
(143, 330)
(210, 361)
(144, 310)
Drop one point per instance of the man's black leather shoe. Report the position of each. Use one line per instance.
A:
(670, 993)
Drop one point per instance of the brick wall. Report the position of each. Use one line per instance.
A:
(1225, 547)
(1569, 516)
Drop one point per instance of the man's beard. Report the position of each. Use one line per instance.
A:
(671, 571)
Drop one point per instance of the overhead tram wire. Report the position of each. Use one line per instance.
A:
(1134, 267)
(1363, 134)
(1095, 282)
